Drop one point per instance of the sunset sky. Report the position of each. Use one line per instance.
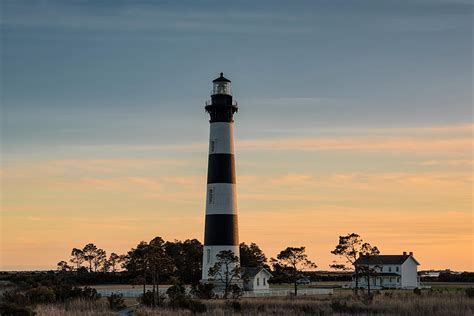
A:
(354, 116)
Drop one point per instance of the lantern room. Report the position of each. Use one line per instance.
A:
(221, 85)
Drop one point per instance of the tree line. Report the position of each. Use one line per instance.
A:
(159, 261)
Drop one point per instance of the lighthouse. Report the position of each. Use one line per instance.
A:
(221, 224)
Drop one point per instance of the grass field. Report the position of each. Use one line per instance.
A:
(341, 303)
(331, 284)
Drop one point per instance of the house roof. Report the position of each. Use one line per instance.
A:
(384, 259)
(250, 272)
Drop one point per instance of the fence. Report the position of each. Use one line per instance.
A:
(136, 292)
(287, 292)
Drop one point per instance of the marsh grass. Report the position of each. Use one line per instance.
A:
(75, 308)
(389, 303)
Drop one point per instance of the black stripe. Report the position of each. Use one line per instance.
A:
(221, 168)
(221, 230)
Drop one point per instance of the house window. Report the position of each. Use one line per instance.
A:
(208, 255)
(211, 195)
(397, 268)
(398, 280)
(381, 269)
(264, 281)
(258, 281)
(391, 279)
(389, 269)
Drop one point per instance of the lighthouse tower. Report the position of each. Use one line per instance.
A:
(221, 228)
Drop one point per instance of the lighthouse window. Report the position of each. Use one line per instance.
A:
(222, 88)
(213, 145)
(208, 255)
(211, 195)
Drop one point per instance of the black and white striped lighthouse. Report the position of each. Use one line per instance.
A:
(221, 227)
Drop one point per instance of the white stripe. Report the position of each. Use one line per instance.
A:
(209, 257)
(221, 198)
(221, 139)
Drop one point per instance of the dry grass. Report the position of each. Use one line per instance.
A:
(401, 303)
(75, 308)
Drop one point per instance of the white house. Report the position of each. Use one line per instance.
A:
(256, 279)
(389, 271)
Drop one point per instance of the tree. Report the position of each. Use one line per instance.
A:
(350, 248)
(63, 266)
(159, 263)
(77, 257)
(225, 270)
(295, 261)
(89, 252)
(252, 256)
(99, 260)
(114, 260)
(136, 262)
(187, 258)
(370, 269)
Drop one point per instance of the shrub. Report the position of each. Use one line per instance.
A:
(8, 309)
(176, 292)
(116, 302)
(90, 294)
(236, 291)
(469, 292)
(41, 294)
(14, 298)
(146, 298)
(204, 291)
(417, 291)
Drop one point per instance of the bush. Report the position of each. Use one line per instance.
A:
(90, 294)
(236, 291)
(417, 291)
(176, 292)
(204, 291)
(40, 295)
(146, 298)
(469, 292)
(9, 309)
(15, 298)
(116, 302)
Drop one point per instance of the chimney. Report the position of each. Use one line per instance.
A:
(411, 253)
(404, 253)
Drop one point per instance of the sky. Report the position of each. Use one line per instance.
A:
(354, 116)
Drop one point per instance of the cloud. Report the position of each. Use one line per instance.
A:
(362, 144)
(447, 162)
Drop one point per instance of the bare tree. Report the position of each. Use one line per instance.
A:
(225, 270)
(295, 260)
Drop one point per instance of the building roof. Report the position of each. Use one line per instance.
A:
(250, 272)
(221, 79)
(384, 259)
